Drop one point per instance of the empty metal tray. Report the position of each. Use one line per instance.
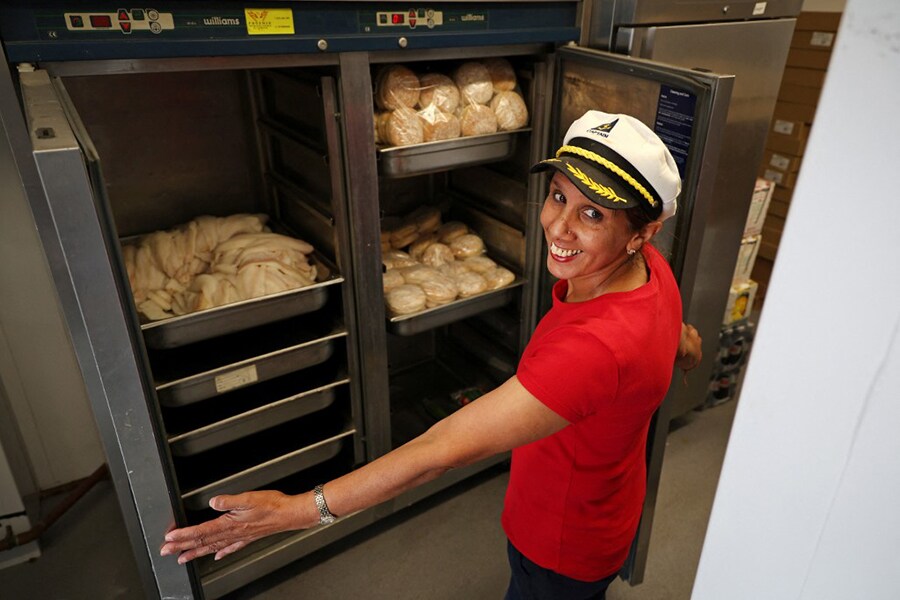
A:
(254, 421)
(429, 157)
(267, 472)
(207, 384)
(454, 311)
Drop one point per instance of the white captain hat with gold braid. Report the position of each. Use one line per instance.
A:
(618, 162)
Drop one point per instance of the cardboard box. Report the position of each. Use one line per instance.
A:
(801, 94)
(787, 163)
(782, 195)
(774, 225)
(818, 21)
(746, 257)
(808, 59)
(759, 206)
(762, 273)
(785, 145)
(740, 302)
(778, 208)
(795, 130)
(813, 40)
(767, 250)
(788, 180)
(794, 111)
(800, 76)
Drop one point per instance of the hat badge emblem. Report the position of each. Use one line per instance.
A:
(603, 129)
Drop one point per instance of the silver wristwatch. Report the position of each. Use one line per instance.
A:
(325, 516)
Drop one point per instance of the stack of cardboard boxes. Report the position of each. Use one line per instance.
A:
(804, 74)
(743, 287)
(736, 334)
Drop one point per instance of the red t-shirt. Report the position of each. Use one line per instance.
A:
(575, 497)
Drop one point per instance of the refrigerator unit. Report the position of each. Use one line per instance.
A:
(749, 40)
(122, 122)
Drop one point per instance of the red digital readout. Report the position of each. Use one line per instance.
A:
(101, 21)
(396, 19)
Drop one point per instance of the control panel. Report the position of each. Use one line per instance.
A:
(54, 30)
(412, 18)
(123, 20)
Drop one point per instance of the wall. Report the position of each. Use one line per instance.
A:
(807, 501)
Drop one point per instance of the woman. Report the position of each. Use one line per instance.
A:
(576, 413)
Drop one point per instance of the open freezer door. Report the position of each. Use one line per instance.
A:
(688, 110)
(74, 222)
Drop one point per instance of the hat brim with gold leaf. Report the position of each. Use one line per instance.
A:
(618, 162)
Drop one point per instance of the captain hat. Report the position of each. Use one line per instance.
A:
(618, 162)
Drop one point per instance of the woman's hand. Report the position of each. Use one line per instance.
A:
(248, 517)
(689, 348)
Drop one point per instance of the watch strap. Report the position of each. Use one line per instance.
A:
(325, 516)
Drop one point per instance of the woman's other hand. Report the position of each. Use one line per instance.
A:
(689, 348)
(248, 517)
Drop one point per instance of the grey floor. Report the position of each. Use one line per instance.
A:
(448, 546)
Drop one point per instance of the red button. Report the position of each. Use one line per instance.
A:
(123, 15)
(412, 22)
(126, 27)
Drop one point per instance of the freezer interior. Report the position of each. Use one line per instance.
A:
(265, 390)
(443, 356)
(199, 175)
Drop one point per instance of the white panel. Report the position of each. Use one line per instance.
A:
(810, 479)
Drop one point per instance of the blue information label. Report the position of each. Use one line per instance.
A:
(675, 122)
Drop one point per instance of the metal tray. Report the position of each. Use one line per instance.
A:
(454, 311)
(429, 157)
(207, 384)
(213, 322)
(254, 421)
(267, 472)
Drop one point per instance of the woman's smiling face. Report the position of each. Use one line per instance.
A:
(586, 241)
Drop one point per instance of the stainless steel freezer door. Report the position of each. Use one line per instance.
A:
(755, 53)
(102, 335)
(687, 109)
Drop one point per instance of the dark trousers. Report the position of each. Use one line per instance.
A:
(532, 582)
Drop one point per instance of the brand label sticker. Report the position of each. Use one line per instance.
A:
(780, 162)
(759, 8)
(773, 176)
(235, 379)
(784, 127)
(822, 39)
(269, 21)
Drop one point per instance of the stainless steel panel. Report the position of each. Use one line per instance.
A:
(78, 250)
(454, 311)
(274, 364)
(655, 12)
(355, 90)
(431, 157)
(273, 470)
(194, 327)
(254, 421)
(755, 52)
